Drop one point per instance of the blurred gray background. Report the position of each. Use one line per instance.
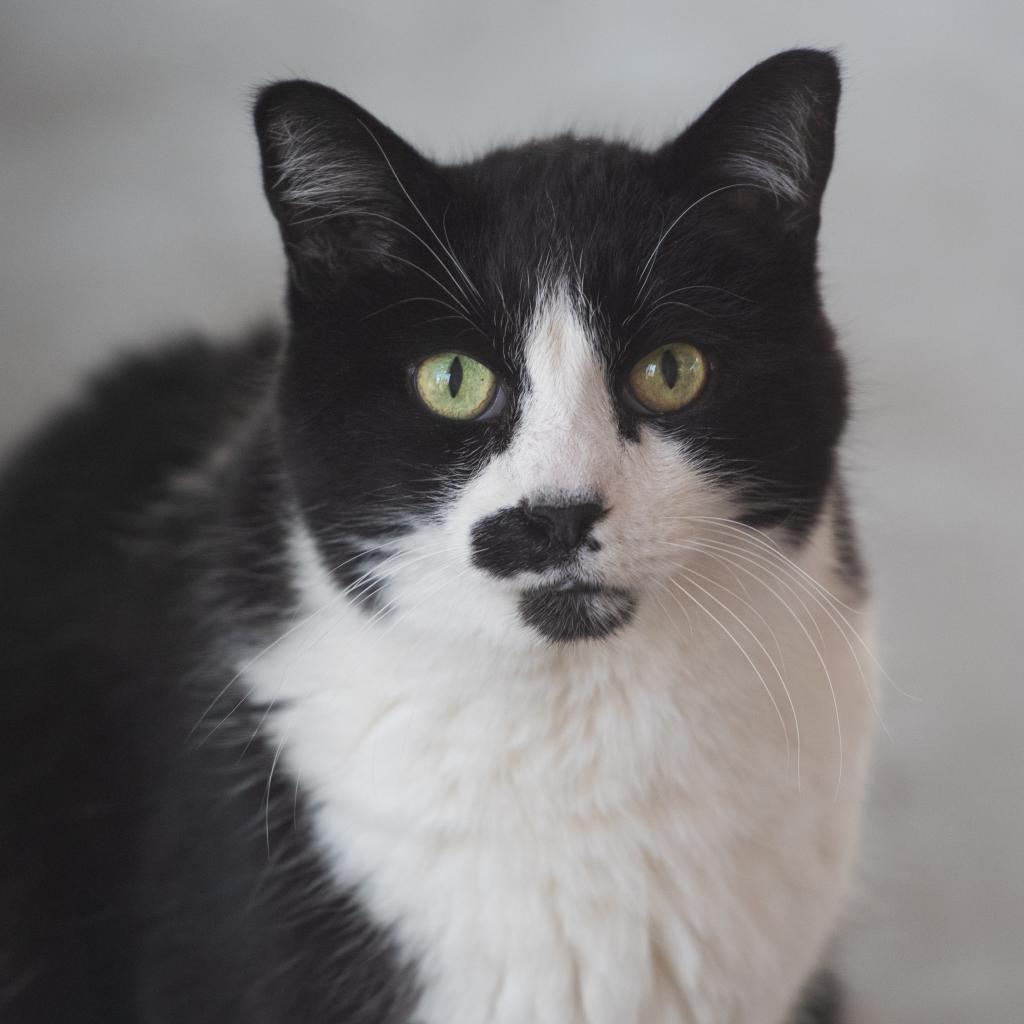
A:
(130, 206)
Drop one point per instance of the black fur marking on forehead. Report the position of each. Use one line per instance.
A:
(710, 240)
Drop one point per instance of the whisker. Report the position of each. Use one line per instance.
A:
(418, 298)
(832, 690)
(785, 689)
(766, 542)
(711, 615)
(731, 569)
(755, 559)
(426, 245)
(668, 614)
(645, 272)
(415, 266)
(261, 654)
(335, 602)
(419, 212)
(270, 780)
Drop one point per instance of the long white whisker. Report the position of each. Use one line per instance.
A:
(649, 265)
(757, 536)
(711, 615)
(380, 612)
(415, 266)
(771, 547)
(348, 591)
(832, 691)
(690, 573)
(745, 601)
(426, 245)
(419, 212)
(758, 560)
(252, 661)
(333, 602)
(764, 541)
(270, 780)
(682, 607)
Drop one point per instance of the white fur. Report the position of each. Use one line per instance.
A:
(315, 175)
(601, 833)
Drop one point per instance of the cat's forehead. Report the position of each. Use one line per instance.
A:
(563, 207)
(567, 168)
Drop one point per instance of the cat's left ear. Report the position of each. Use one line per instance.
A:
(765, 146)
(346, 190)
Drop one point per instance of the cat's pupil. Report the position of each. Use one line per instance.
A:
(455, 377)
(669, 368)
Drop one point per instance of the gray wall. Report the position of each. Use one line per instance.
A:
(130, 206)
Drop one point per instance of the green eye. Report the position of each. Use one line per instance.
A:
(454, 386)
(668, 378)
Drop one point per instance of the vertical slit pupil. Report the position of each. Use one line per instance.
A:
(669, 368)
(455, 376)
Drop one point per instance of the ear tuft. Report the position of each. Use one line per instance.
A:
(338, 181)
(776, 156)
(772, 131)
(309, 170)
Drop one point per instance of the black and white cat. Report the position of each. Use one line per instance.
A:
(488, 651)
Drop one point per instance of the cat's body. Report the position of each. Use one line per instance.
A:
(329, 708)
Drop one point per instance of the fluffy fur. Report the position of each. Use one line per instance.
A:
(314, 720)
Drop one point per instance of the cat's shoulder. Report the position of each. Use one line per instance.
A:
(78, 493)
(137, 419)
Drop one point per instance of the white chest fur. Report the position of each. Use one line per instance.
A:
(603, 834)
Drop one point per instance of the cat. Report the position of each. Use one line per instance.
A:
(487, 650)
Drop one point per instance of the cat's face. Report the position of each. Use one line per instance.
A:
(518, 390)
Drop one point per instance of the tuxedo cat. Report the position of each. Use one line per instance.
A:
(486, 651)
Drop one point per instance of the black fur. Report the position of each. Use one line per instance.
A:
(850, 564)
(579, 612)
(153, 865)
(822, 1001)
(534, 538)
(151, 868)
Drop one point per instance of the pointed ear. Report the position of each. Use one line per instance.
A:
(341, 185)
(766, 142)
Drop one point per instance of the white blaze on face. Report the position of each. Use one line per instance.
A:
(567, 440)
(567, 447)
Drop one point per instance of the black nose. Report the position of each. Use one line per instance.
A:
(563, 527)
(533, 538)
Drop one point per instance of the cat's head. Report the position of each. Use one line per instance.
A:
(516, 388)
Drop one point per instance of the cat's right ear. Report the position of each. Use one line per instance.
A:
(765, 146)
(341, 185)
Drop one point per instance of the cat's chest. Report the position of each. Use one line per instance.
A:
(518, 898)
(563, 854)
(579, 924)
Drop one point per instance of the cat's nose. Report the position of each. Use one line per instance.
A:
(533, 537)
(563, 527)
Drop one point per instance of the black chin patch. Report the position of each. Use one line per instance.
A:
(563, 616)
